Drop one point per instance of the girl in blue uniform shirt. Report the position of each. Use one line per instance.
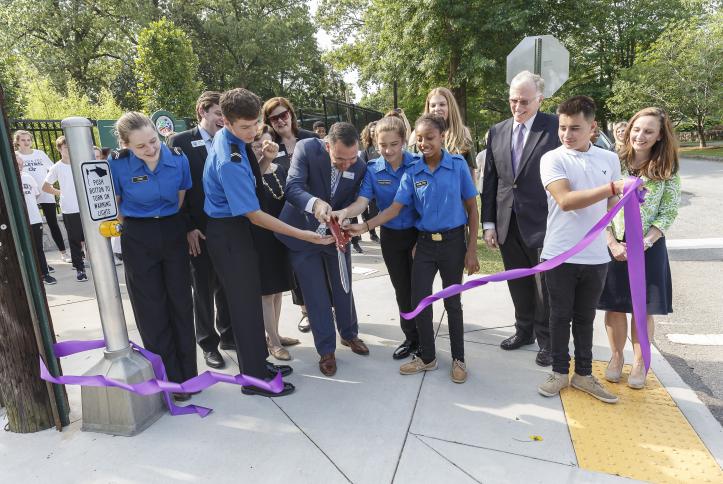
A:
(150, 182)
(440, 188)
(399, 235)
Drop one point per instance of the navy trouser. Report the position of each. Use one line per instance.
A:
(314, 269)
(155, 255)
(447, 257)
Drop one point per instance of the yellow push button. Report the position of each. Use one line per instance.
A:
(110, 228)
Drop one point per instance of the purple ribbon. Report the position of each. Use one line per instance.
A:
(631, 200)
(155, 385)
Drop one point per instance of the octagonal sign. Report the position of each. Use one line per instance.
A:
(543, 55)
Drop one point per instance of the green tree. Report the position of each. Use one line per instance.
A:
(268, 46)
(81, 40)
(681, 72)
(11, 80)
(167, 69)
(45, 102)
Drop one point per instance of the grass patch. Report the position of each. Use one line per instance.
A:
(490, 260)
(708, 152)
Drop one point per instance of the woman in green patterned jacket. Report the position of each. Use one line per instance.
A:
(650, 151)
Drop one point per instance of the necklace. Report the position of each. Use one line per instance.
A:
(278, 182)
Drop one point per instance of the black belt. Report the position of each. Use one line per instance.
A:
(159, 217)
(440, 236)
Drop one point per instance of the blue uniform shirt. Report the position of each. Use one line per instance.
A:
(382, 182)
(145, 193)
(228, 181)
(438, 197)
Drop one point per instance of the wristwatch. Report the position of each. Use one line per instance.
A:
(647, 243)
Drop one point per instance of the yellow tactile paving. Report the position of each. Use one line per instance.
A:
(644, 436)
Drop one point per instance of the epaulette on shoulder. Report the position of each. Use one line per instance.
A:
(117, 154)
(459, 157)
(176, 151)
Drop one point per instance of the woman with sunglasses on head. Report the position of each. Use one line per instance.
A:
(274, 265)
(458, 139)
(650, 151)
(278, 113)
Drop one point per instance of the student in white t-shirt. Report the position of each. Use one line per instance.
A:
(62, 173)
(582, 182)
(31, 194)
(36, 164)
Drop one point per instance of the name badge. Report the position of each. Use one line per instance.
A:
(280, 154)
(421, 184)
(347, 174)
(139, 179)
(198, 142)
(384, 182)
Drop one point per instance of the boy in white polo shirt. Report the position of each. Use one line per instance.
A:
(582, 182)
(62, 173)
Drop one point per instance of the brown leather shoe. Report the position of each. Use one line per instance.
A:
(356, 345)
(327, 364)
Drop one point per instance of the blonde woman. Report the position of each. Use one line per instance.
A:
(619, 134)
(458, 139)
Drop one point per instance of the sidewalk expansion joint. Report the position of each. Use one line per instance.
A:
(446, 459)
(492, 449)
(312, 441)
(411, 417)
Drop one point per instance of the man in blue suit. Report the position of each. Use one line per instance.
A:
(324, 177)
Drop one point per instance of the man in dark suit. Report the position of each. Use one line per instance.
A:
(514, 205)
(324, 177)
(196, 143)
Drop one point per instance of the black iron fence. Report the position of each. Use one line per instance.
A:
(44, 133)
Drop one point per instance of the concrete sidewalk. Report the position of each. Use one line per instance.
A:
(368, 424)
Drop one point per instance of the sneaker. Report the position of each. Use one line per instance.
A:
(51, 269)
(65, 257)
(554, 383)
(49, 280)
(589, 384)
(458, 373)
(373, 235)
(417, 365)
(81, 277)
(357, 248)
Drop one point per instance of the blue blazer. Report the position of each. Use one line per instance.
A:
(310, 176)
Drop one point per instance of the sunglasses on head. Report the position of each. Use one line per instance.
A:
(284, 115)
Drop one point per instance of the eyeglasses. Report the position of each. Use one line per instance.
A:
(522, 102)
(282, 116)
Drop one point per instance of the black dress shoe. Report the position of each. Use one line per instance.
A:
(214, 359)
(544, 357)
(285, 370)
(288, 388)
(181, 397)
(228, 346)
(373, 235)
(304, 325)
(516, 341)
(405, 349)
(357, 248)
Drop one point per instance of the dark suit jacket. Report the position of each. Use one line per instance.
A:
(192, 209)
(310, 176)
(501, 191)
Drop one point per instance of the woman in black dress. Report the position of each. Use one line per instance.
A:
(275, 269)
(279, 114)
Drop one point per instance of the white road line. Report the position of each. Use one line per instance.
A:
(697, 339)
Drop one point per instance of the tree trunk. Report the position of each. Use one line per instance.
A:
(25, 396)
(701, 134)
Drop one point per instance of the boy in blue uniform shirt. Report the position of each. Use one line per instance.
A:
(440, 188)
(230, 180)
(150, 182)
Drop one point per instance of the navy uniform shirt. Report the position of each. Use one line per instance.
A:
(382, 182)
(228, 179)
(145, 193)
(438, 196)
